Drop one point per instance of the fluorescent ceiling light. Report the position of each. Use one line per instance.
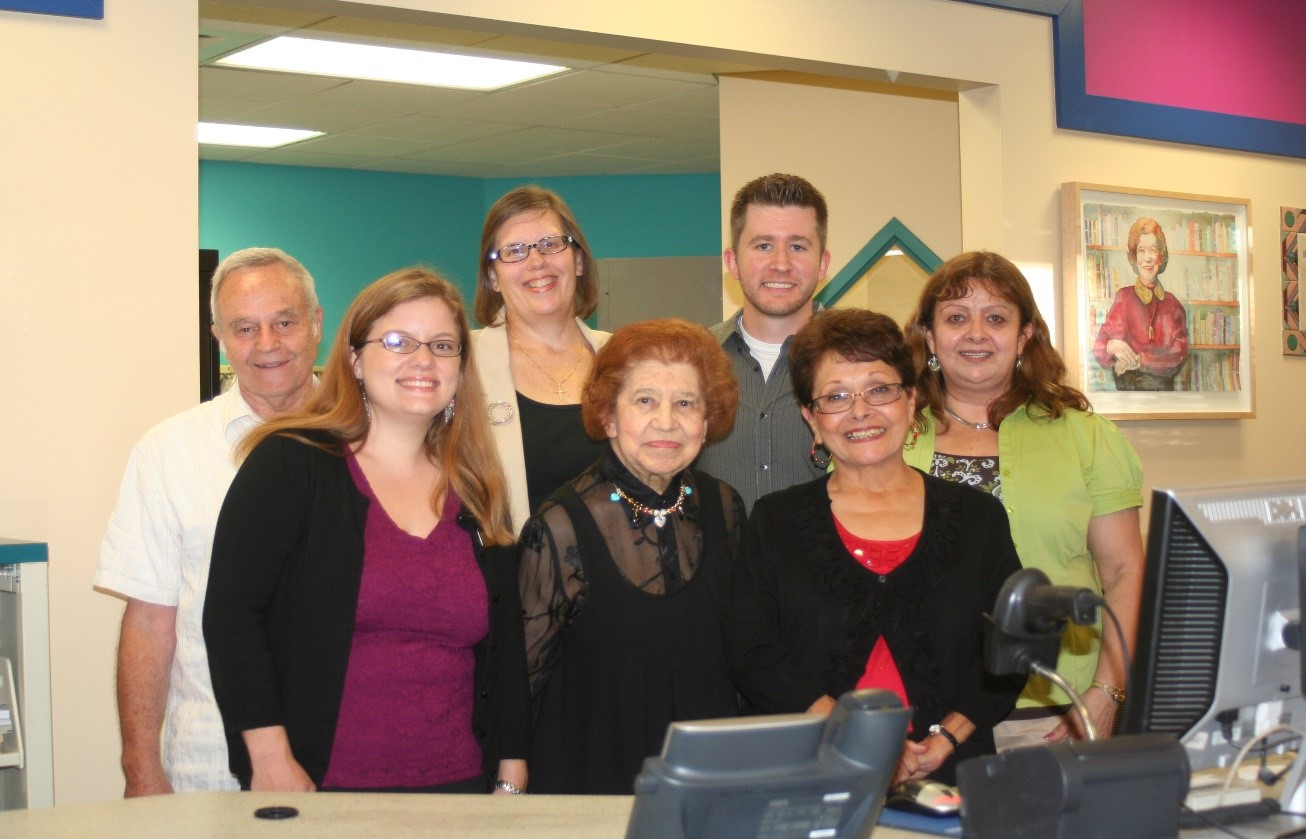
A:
(256, 136)
(288, 54)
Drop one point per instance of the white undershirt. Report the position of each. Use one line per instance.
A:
(765, 354)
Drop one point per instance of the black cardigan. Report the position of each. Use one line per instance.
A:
(805, 614)
(282, 594)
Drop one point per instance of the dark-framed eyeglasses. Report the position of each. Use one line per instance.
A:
(837, 403)
(518, 251)
(397, 342)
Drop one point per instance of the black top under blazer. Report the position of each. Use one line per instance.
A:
(282, 595)
(806, 614)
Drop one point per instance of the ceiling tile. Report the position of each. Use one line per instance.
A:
(649, 123)
(413, 166)
(529, 110)
(478, 152)
(388, 98)
(703, 102)
(614, 112)
(556, 140)
(663, 150)
(350, 144)
(264, 87)
(434, 130)
(598, 88)
(214, 109)
(326, 120)
(295, 156)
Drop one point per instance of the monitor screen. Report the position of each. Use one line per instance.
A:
(1213, 665)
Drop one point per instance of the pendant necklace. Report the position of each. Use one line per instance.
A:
(559, 386)
(978, 426)
(659, 516)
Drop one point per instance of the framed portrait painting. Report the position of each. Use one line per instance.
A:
(1158, 302)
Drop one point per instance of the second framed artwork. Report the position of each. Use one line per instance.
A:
(1158, 302)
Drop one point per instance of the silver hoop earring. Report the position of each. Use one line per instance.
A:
(448, 411)
(933, 363)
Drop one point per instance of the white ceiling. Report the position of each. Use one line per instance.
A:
(612, 112)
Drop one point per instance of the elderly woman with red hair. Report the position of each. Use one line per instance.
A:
(625, 570)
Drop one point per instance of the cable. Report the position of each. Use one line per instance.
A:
(1242, 754)
(1057, 679)
(1197, 814)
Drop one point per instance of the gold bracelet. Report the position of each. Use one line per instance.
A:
(1112, 691)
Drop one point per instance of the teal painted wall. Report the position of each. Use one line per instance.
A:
(350, 227)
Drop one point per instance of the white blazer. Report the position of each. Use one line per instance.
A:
(492, 361)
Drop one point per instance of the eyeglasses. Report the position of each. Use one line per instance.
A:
(837, 403)
(397, 342)
(518, 251)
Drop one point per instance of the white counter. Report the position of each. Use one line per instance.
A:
(374, 816)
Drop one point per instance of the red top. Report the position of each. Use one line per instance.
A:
(880, 558)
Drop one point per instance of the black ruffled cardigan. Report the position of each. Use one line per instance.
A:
(806, 614)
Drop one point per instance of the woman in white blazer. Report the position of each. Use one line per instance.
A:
(536, 283)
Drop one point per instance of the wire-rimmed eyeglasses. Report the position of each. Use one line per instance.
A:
(397, 342)
(518, 251)
(837, 403)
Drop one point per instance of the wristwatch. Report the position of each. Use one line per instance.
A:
(940, 731)
(1110, 690)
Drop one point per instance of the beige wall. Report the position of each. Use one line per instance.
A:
(97, 259)
(97, 325)
(873, 156)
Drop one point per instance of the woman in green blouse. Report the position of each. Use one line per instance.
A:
(999, 417)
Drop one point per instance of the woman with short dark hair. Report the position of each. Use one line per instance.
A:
(874, 575)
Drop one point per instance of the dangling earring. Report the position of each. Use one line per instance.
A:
(448, 412)
(367, 406)
(933, 363)
(817, 461)
(1020, 359)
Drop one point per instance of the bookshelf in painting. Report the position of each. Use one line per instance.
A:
(1202, 272)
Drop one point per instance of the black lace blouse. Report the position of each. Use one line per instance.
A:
(657, 560)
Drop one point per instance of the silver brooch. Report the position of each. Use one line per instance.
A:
(500, 412)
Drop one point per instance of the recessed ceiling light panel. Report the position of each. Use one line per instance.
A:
(254, 136)
(289, 54)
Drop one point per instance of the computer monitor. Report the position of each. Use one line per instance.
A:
(789, 776)
(1213, 665)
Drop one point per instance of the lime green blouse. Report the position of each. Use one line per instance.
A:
(1055, 476)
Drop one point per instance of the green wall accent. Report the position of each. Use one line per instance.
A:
(350, 227)
(893, 233)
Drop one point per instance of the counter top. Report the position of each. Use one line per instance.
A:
(338, 815)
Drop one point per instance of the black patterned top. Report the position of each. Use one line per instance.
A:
(982, 472)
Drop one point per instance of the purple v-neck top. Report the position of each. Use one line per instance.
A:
(406, 712)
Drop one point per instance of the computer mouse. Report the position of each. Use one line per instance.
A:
(929, 798)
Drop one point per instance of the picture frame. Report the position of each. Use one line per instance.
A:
(1292, 252)
(1157, 304)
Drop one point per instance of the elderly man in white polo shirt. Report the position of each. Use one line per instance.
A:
(155, 552)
